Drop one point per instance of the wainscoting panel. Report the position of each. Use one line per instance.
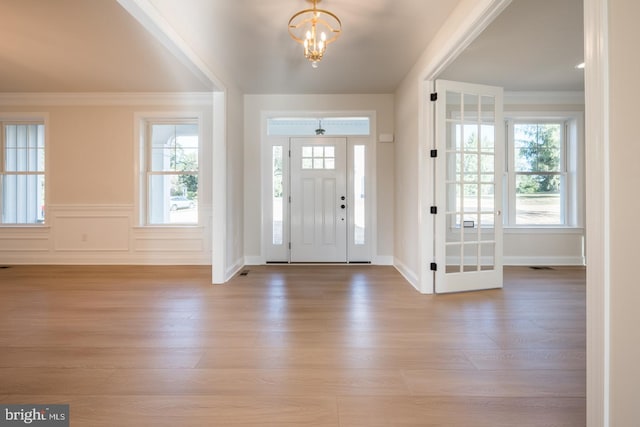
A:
(92, 233)
(104, 234)
(24, 239)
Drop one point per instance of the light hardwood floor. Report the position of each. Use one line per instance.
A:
(352, 346)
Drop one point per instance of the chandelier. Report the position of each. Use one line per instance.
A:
(314, 28)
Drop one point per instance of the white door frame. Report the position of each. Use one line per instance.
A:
(596, 37)
(355, 254)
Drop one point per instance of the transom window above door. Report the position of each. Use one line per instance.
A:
(308, 126)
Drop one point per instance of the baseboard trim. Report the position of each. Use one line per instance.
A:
(254, 260)
(382, 260)
(407, 273)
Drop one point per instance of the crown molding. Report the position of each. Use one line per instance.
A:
(544, 97)
(105, 98)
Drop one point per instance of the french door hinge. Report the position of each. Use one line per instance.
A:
(434, 153)
(434, 266)
(289, 245)
(434, 210)
(434, 97)
(289, 199)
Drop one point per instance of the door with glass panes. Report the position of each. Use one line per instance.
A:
(468, 187)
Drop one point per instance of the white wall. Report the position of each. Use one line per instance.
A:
(407, 207)
(91, 211)
(624, 207)
(256, 104)
(235, 182)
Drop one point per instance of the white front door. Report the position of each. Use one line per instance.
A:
(318, 200)
(468, 187)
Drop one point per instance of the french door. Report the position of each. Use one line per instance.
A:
(318, 183)
(468, 187)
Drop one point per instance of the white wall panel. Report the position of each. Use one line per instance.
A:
(91, 233)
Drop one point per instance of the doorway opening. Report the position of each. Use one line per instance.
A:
(318, 189)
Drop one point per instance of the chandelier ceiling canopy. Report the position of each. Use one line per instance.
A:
(314, 29)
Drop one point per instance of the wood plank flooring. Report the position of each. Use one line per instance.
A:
(285, 346)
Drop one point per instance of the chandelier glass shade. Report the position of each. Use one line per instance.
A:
(314, 29)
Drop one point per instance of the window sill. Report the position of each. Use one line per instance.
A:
(169, 227)
(527, 229)
(25, 226)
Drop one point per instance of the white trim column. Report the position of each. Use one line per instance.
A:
(596, 35)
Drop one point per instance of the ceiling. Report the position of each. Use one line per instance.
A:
(83, 46)
(534, 45)
(97, 46)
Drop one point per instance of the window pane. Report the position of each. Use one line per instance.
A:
(359, 177)
(538, 200)
(23, 186)
(470, 137)
(300, 126)
(537, 147)
(24, 150)
(329, 151)
(172, 185)
(23, 199)
(330, 163)
(454, 137)
(487, 103)
(470, 257)
(488, 136)
(173, 199)
(174, 147)
(277, 191)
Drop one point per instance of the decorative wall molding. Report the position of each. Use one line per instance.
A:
(24, 239)
(105, 234)
(544, 98)
(107, 99)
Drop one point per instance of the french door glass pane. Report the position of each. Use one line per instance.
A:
(487, 252)
(470, 175)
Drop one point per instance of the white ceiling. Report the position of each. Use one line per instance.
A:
(96, 46)
(381, 40)
(534, 45)
(83, 46)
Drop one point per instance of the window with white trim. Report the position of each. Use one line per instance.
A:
(170, 164)
(543, 172)
(22, 172)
